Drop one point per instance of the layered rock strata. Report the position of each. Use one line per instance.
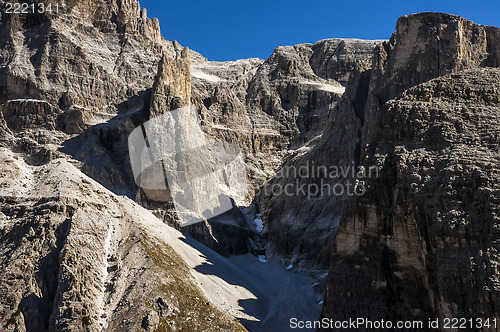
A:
(420, 242)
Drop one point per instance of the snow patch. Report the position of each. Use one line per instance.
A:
(326, 87)
(259, 224)
(29, 99)
(289, 267)
(262, 259)
(207, 77)
(104, 276)
(4, 220)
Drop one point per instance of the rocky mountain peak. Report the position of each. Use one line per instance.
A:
(120, 15)
(337, 58)
(428, 45)
(84, 248)
(172, 86)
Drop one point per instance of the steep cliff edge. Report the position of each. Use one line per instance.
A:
(421, 110)
(421, 242)
(410, 57)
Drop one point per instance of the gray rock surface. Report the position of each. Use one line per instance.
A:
(397, 65)
(422, 243)
(76, 257)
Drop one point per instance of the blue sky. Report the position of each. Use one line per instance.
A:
(235, 29)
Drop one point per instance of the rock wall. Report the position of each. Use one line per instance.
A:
(421, 242)
(273, 109)
(409, 58)
(172, 87)
(418, 107)
(102, 69)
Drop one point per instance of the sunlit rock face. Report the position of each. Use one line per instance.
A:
(77, 84)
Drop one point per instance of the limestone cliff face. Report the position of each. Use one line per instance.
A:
(410, 57)
(172, 87)
(423, 47)
(88, 64)
(124, 16)
(93, 68)
(429, 45)
(298, 85)
(338, 58)
(421, 242)
(75, 256)
(310, 216)
(171, 90)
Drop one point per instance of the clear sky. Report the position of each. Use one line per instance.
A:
(235, 29)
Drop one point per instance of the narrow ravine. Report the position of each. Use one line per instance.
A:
(101, 303)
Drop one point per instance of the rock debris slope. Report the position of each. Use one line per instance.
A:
(77, 257)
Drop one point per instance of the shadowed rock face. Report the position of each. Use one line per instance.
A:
(422, 241)
(408, 59)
